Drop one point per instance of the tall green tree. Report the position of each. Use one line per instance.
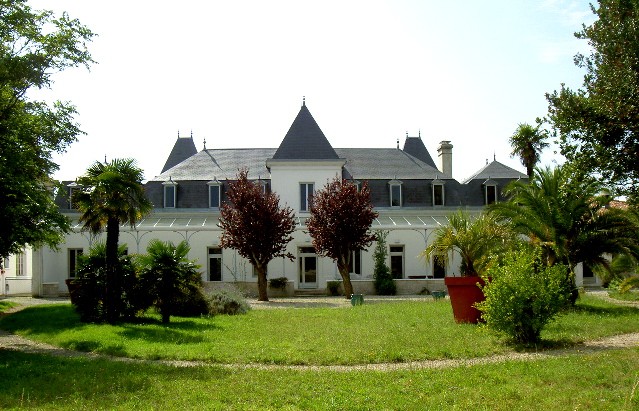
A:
(527, 143)
(34, 45)
(340, 224)
(111, 194)
(598, 124)
(254, 224)
(570, 218)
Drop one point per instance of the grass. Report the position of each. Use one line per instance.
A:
(632, 295)
(607, 380)
(373, 333)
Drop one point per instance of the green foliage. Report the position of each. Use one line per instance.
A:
(523, 295)
(172, 280)
(33, 46)
(628, 284)
(476, 239)
(598, 123)
(384, 283)
(278, 283)
(333, 287)
(89, 298)
(226, 302)
(527, 143)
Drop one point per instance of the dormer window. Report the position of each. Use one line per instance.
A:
(357, 184)
(395, 193)
(170, 193)
(72, 188)
(215, 193)
(490, 191)
(438, 192)
(264, 185)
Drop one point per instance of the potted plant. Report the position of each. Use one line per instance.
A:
(475, 240)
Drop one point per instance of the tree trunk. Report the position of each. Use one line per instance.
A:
(261, 283)
(346, 279)
(112, 287)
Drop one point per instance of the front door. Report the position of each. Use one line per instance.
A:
(307, 267)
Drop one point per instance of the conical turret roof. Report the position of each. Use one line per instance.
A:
(305, 140)
(416, 148)
(183, 148)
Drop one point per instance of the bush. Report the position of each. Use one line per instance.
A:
(384, 284)
(90, 295)
(227, 302)
(278, 283)
(523, 295)
(333, 287)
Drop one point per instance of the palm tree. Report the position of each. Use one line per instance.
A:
(111, 194)
(169, 276)
(527, 143)
(568, 218)
(474, 239)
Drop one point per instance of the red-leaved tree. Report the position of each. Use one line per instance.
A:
(253, 223)
(340, 222)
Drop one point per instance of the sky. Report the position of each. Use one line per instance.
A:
(234, 73)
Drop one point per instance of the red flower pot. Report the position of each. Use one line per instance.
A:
(464, 293)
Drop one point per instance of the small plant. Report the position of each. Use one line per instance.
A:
(384, 284)
(523, 295)
(227, 302)
(278, 283)
(333, 287)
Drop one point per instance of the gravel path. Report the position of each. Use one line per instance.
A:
(14, 342)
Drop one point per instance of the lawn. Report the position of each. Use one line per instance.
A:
(372, 333)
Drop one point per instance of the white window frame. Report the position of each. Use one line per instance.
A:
(438, 183)
(487, 184)
(392, 185)
(72, 261)
(21, 264)
(166, 185)
(306, 196)
(401, 254)
(72, 187)
(355, 266)
(215, 184)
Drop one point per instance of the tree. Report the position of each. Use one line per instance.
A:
(527, 143)
(34, 45)
(384, 283)
(111, 194)
(598, 125)
(569, 218)
(253, 223)
(475, 239)
(170, 277)
(340, 222)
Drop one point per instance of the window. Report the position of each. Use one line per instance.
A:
(170, 193)
(307, 267)
(72, 188)
(438, 192)
(215, 193)
(21, 268)
(6, 263)
(439, 266)
(397, 261)
(215, 264)
(264, 185)
(74, 254)
(358, 184)
(255, 271)
(306, 195)
(395, 193)
(355, 266)
(490, 192)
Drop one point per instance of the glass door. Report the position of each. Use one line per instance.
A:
(307, 267)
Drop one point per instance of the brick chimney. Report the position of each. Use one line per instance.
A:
(445, 154)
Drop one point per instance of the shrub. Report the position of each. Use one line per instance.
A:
(523, 295)
(384, 284)
(227, 302)
(278, 283)
(333, 287)
(89, 297)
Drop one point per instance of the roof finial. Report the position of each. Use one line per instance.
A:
(486, 161)
(398, 142)
(419, 133)
(178, 133)
(303, 101)
(191, 133)
(406, 133)
(205, 143)
(105, 160)
(494, 156)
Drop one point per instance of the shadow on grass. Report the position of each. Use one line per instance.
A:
(607, 310)
(45, 319)
(43, 381)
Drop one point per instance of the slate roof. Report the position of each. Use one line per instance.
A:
(494, 170)
(222, 164)
(415, 147)
(384, 164)
(183, 148)
(305, 140)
